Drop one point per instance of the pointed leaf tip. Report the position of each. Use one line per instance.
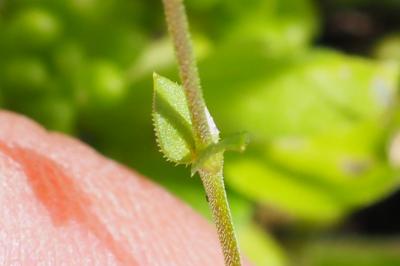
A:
(171, 119)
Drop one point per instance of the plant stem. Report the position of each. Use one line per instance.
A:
(179, 30)
(215, 190)
(211, 174)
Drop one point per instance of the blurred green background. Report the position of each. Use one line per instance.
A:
(315, 83)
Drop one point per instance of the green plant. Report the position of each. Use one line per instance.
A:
(186, 132)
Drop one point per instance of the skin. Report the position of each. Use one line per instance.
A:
(62, 203)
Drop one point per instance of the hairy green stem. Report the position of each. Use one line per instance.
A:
(215, 190)
(179, 30)
(211, 173)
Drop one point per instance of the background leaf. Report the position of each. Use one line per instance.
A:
(314, 140)
(351, 251)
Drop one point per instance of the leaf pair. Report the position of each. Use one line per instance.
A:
(174, 129)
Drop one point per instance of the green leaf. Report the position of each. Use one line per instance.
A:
(349, 251)
(283, 26)
(328, 93)
(318, 136)
(333, 175)
(282, 191)
(172, 123)
(389, 48)
(259, 246)
(344, 165)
